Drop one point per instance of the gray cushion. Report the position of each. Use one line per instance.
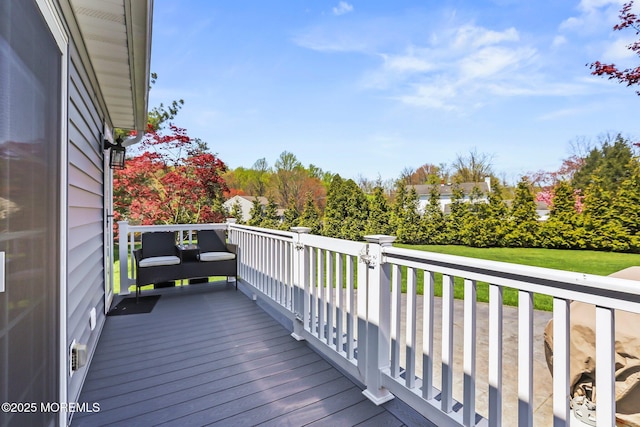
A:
(155, 261)
(216, 256)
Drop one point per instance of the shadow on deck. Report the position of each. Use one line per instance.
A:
(207, 355)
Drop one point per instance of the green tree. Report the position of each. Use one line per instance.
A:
(256, 213)
(433, 220)
(236, 212)
(474, 232)
(497, 213)
(397, 208)
(258, 178)
(409, 229)
(626, 205)
(610, 162)
(522, 226)
(335, 208)
(602, 230)
(270, 217)
(379, 214)
(457, 218)
(310, 216)
(562, 229)
(288, 179)
(291, 215)
(356, 212)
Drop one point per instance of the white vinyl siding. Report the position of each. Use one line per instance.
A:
(85, 288)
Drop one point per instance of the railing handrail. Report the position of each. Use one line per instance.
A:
(282, 234)
(605, 291)
(175, 227)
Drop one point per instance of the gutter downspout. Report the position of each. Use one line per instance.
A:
(131, 141)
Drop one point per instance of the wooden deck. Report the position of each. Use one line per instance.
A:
(207, 355)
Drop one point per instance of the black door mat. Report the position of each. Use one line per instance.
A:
(129, 306)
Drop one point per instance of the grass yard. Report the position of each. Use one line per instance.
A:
(590, 262)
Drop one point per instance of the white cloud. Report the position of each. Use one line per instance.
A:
(588, 5)
(562, 114)
(331, 40)
(342, 8)
(459, 70)
(439, 96)
(470, 35)
(593, 16)
(493, 61)
(618, 50)
(446, 66)
(407, 63)
(558, 41)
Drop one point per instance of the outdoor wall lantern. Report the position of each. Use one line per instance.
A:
(116, 158)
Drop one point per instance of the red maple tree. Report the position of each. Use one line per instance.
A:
(630, 76)
(172, 180)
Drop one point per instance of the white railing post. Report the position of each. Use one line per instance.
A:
(525, 358)
(231, 237)
(561, 365)
(495, 355)
(446, 403)
(605, 367)
(123, 251)
(300, 300)
(378, 319)
(469, 357)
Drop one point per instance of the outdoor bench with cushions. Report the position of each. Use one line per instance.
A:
(161, 260)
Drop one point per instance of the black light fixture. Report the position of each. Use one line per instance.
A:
(116, 158)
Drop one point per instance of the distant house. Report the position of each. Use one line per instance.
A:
(446, 193)
(246, 203)
(543, 210)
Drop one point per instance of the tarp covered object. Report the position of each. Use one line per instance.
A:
(582, 354)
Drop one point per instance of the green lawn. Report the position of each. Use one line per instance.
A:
(590, 262)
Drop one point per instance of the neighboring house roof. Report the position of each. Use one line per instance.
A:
(248, 200)
(117, 35)
(447, 189)
(263, 200)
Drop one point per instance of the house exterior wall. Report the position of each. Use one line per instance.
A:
(86, 210)
(245, 206)
(423, 201)
(446, 193)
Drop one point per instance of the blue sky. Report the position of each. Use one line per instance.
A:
(364, 87)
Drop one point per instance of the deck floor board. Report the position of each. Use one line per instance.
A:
(207, 355)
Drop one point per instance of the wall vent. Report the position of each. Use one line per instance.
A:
(78, 356)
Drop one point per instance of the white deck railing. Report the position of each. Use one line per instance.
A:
(345, 299)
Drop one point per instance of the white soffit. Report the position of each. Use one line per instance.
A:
(117, 35)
